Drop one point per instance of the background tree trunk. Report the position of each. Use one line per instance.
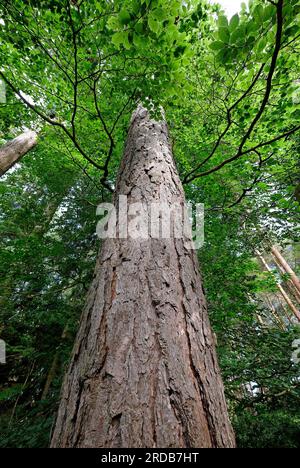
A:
(53, 369)
(286, 297)
(289, 283)
(14, 150)
(286, 267)
(144, 370)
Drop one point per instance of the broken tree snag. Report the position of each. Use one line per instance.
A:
(144, 370)
(14, 150)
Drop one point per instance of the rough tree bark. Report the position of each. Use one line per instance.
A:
(144, 370)
(14, 150)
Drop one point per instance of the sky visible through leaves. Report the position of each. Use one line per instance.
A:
(230, 6)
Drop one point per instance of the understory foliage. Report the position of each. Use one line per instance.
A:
(74, 71)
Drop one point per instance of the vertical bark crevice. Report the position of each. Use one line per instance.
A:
(145, 348)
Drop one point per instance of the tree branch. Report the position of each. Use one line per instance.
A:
(47, 119)
(189, 178)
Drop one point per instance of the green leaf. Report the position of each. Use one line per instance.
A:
(124, 17)
(258, 13)
(238, 35)
(224, 34)
(223, 56)
(126, 41)
(154, 25)
(217, 45)
(234, 22)
(121, 38)
(268, 12)
(11, 392)
(261, 44)
(158, 14)
(223, 21)
(113, 23)
(117, 39)
(296, 115)
(262, 185)
(138, 40)
(139, 27)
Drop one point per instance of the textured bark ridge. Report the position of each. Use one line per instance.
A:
(144, 371)
(15, 149)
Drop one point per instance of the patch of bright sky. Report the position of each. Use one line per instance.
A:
(231, 7)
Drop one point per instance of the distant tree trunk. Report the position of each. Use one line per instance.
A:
(285, 310)
(144, 370)
(290, 285)
(54, 367)
(286, 267)
(14, 150)
(297, 193)
(274, 313)
(260, 320)
(9, 283)
(286, 297)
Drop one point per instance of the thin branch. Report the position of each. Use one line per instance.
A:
(36, 39)
(237, 156)
(257, 179)
(229, 120)
(75, 85)
(240, 152)
(270, 75)
(47, 119)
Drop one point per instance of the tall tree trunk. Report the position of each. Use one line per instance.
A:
(14, 150)
(144, 370)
